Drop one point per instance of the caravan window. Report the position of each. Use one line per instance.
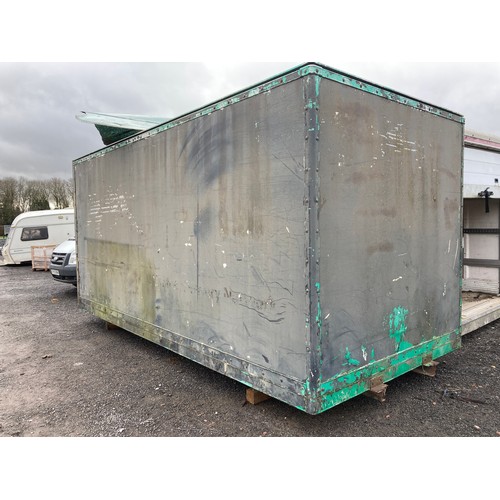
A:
(35, 233)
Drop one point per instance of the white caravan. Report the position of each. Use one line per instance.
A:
(37, 228)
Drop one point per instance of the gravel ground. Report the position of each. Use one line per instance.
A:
(62, 373)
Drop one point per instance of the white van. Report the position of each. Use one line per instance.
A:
(37, 228)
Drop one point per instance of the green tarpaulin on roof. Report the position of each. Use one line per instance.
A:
(117, 127)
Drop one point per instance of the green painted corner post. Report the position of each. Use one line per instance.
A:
(312, 83)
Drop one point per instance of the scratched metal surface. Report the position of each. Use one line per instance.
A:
(302, 237)
(199, 231)
(390, 219)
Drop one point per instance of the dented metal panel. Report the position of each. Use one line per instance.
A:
(301, 236)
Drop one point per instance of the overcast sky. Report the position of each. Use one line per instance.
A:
(40, 136)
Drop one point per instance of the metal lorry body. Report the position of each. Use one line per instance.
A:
(302, 236)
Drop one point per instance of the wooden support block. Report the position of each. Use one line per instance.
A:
(256, 397)
(428, 369)
(377, 392)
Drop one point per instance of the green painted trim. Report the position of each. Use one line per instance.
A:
(370, 88)
(346, 386)
(398, 328)
(277, 385)
(266, 86)
(312, 238)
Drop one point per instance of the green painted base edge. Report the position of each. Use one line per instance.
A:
(288, 390)
(277, 385)
(344, 387)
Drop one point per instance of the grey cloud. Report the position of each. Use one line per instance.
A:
(40, 137)
(468, 88)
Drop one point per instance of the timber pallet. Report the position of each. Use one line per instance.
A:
(40, 257)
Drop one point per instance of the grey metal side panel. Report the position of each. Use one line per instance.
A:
(390, 237)
(197, 235)
(302, 236)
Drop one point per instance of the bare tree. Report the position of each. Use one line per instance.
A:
(21, 195)
(38, 195)
(9, 208)
(70, 189)
(58, 192)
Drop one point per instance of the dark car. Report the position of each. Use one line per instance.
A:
(63, 262)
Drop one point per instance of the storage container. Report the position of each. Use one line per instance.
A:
(302, 236)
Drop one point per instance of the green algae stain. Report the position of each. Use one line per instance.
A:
(398, 328)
